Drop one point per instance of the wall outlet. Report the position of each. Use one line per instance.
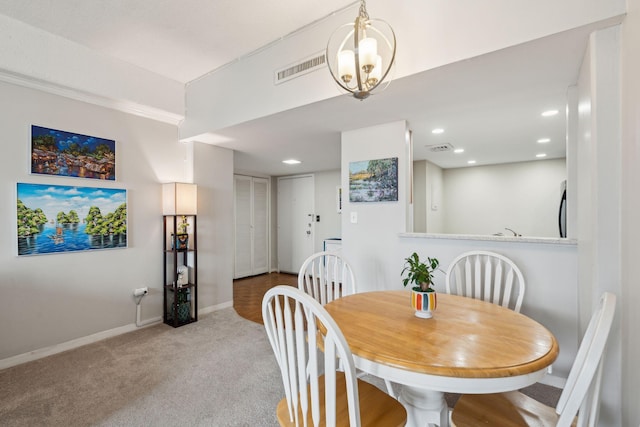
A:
(140, 292)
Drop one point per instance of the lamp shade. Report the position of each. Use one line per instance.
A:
(179, 198)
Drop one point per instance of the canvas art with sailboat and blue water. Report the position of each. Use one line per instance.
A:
(62, 218)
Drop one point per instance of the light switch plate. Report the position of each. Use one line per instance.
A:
(354, 217)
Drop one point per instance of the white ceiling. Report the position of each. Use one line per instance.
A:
(489, 105)
(182, 40)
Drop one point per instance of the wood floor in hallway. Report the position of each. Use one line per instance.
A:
(248, 292)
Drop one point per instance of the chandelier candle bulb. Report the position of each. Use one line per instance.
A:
(368, 53)
(346, 65)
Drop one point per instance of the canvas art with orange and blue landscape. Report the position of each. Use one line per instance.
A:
(374, 180)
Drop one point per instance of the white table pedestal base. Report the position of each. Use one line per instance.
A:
(424, 407)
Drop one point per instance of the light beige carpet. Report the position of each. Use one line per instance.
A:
(219, 371)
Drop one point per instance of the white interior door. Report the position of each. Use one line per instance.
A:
(251, 228)
(260, 223)
(296, 225)
(242, 226)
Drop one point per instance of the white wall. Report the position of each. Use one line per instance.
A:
(428, 196)
(435, 208)
(52, 299)
(630, 227)
(599, 199)
(420, 196)
(325, 202)
(369, 243)
(522, 196)
(585, 186)
(213, 172)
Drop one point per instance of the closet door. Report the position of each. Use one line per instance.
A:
(251, 228)
(260, 222)
(242, 209)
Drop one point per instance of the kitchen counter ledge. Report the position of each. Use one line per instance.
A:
(510, 239)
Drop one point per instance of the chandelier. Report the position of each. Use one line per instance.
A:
(361, 54)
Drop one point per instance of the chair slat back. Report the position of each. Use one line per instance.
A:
(487, 276)
(326, 276)
(581, 393)
(292, 320)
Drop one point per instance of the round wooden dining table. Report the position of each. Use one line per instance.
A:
(468, 346)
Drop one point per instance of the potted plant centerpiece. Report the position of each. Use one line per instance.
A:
(420, 274)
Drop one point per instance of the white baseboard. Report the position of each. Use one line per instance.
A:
(216, 307)
(70, 345)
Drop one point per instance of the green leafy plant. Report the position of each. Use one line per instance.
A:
(183, 226)
(419, 273)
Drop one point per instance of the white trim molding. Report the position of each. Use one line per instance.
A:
(102, 101)
(216, 307)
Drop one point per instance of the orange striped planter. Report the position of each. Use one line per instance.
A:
(424, 303)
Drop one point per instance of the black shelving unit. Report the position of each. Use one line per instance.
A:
(180, 270)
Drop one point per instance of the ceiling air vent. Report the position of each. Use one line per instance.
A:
(440, 147)
(300, 68)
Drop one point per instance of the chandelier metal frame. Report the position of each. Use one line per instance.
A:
(367, 77)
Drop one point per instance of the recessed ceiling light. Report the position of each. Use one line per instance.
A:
(471, 162)
(543, 140)
(291, 161)
(549, 113)
(458, 150)
(437, 130)
(541, 155)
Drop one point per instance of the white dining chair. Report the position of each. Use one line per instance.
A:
(297, 327)
(326, 276)
(487, 276)
(581, 393)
